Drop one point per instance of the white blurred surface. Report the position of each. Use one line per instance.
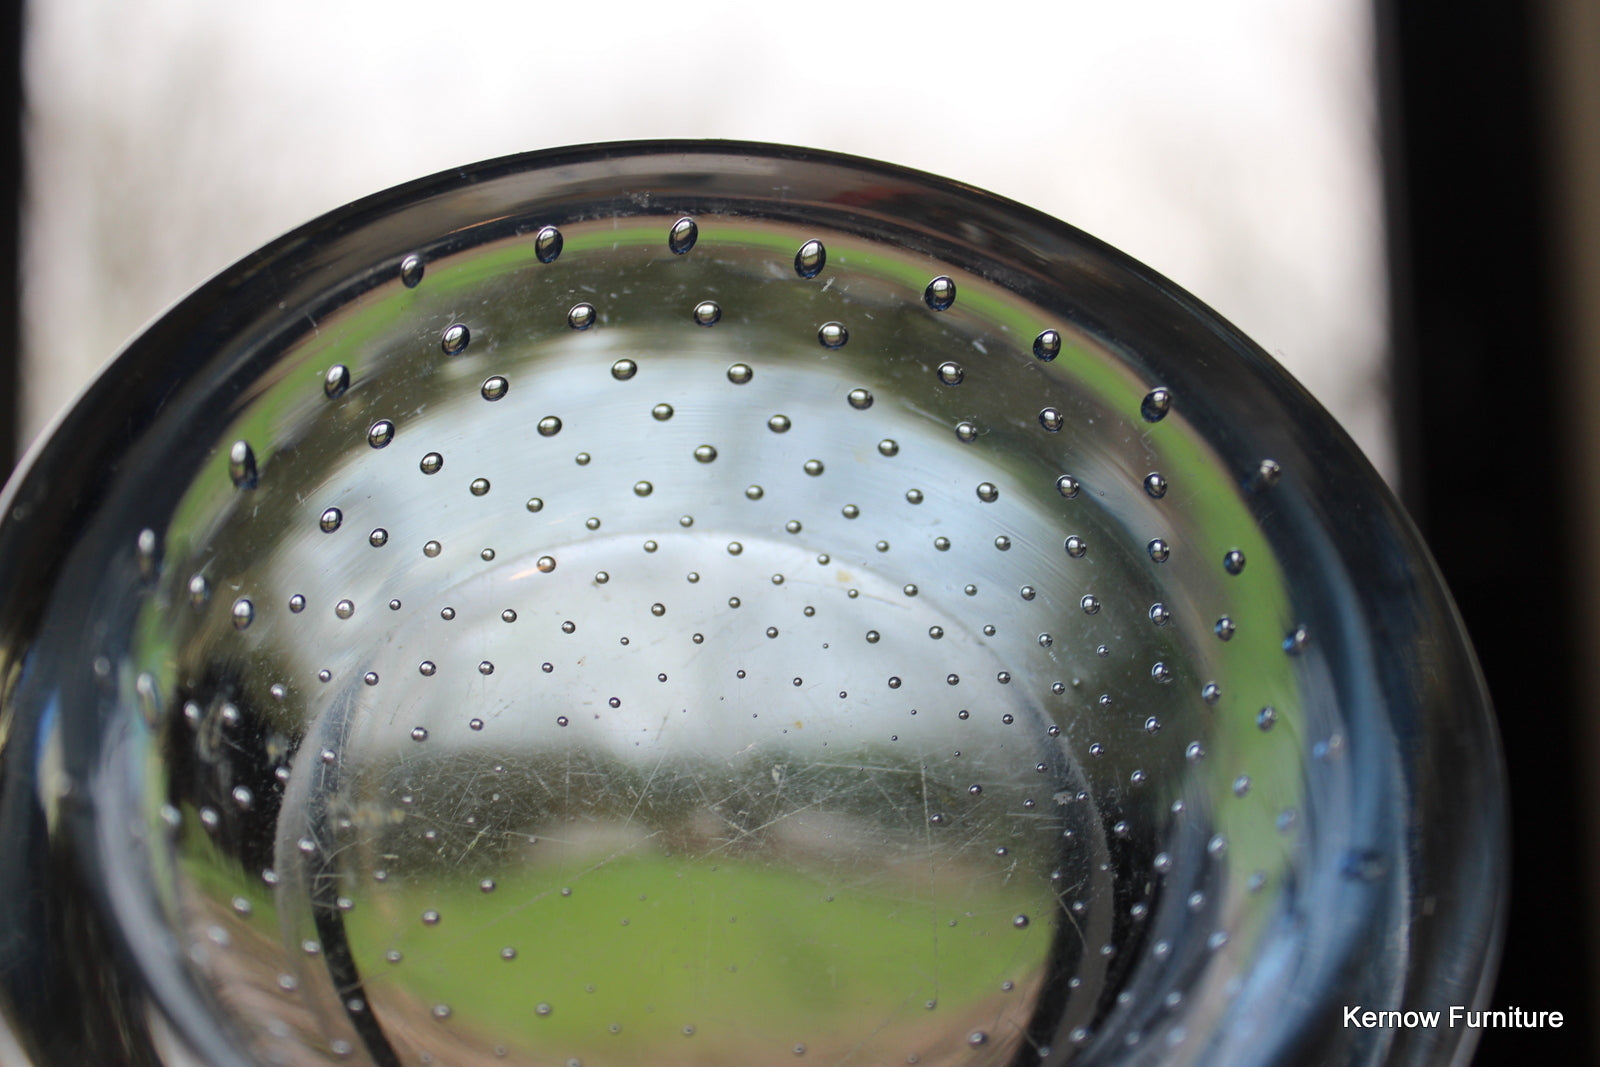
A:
(1229, 145)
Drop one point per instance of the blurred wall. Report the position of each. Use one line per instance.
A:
(1492, 113)
(1230, 145)
(1572, 44)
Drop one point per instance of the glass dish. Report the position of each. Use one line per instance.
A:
(713, 603)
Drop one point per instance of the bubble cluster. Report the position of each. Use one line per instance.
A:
(832, 643)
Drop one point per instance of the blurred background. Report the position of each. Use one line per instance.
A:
(1399, 201)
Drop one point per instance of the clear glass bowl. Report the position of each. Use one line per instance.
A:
(724, 604)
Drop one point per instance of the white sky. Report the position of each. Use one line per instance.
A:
(1230, 145)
